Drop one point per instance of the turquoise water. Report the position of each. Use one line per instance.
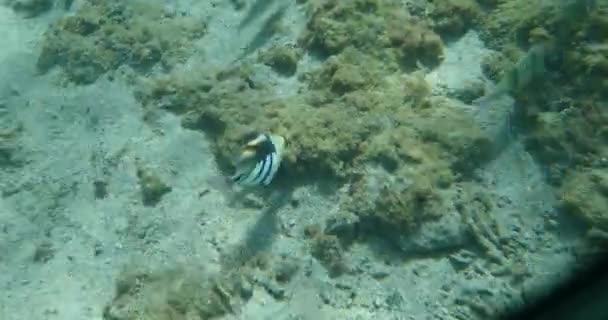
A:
(425, 159)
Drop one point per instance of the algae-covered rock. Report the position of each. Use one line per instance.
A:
(568, 139)
(415, 162)
(283, 59)
(417, 44)
(328, 250)
(404, 203)
(561, 92)
(152, 187)
(592, 248)
(458, 138)
(452, 18)
(585, 194)
(397, 146)
(406, 209)
(574, 30)
(333, 26)
(102, 36)
(380, 28)
(513, 19)
(345, 226)
(549, 139)
(356, 113)
(494, 65)
(588, 66)
(178, 294)
(349, 71)
(562, 108)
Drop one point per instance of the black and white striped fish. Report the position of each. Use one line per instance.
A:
(259, 160)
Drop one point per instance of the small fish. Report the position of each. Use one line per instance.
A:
(259, 160)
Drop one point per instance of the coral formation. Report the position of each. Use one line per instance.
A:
(102, 36)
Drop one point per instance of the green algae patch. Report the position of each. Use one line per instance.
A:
(380, 28)
(585, 195)
(102, 36)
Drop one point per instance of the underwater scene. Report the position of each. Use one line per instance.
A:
(298, 159)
